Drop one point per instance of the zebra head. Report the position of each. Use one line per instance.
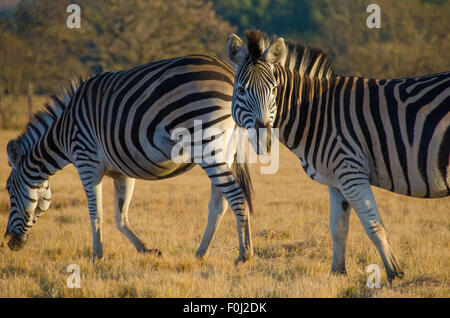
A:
(255, 86)
(28, 199)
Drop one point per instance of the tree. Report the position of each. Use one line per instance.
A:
(282, 17)
(413, 38)
(37, 47)
(125, 34)
(14, 66)
(47, 46)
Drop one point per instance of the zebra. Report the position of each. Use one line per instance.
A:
(119, 124)
(350, 133)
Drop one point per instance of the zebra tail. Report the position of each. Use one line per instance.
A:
(243, 179)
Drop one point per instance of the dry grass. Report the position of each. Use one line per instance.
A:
(290, 234)
(14, 112)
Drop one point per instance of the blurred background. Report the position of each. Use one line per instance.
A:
(39, 53)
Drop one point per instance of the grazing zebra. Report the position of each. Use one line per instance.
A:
(119, 124)
(348, 132)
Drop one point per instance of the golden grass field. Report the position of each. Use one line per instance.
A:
(290, 232)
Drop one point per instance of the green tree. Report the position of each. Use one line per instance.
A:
(282, 17)
(124, 34)
(36, 46)
(413, 38)
(49, 49)
(14, 62)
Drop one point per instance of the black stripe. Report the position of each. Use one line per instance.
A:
(323, 107)
(346, 107)
(312, 121)
(303, 109)
(329, 126)
(413, 109)
(359, 109)
(375, 111)
(429, 128)
(400, 146)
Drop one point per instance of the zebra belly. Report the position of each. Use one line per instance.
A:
(153, 161)
(415, 183)
(317, 175)
(151, 174)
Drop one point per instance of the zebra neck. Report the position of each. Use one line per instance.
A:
(299, 102)
(45, 156)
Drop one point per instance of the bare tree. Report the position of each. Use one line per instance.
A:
(125, 34)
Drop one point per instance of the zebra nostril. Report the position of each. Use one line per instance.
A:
(258, 124)
(15, 241)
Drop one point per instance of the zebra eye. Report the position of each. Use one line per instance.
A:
(241, 90)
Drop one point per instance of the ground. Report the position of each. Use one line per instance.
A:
(292, 244)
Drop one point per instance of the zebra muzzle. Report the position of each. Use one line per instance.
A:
(15, 242)
(263, 138)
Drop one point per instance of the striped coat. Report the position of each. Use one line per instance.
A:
(348, 132)
(121, 124)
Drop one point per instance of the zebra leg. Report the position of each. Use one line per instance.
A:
(244, 233)
(363, 202)
(223, 179)
(217, 207)
(339, 221)
(94, 197)
(123, 191)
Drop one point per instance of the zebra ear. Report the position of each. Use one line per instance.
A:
(275, 52)
(14, 152)
(235, 49)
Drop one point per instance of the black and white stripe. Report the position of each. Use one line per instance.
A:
(349, 132)
(119, 124)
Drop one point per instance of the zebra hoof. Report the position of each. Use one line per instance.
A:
(97, 259)
(393, 275)
(243, 259)
(97, 255)
(200, 256)
(153, 252)
(339, 272)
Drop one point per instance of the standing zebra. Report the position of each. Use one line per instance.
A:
(119, 124)
(348, 132)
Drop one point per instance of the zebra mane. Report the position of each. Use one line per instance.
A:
(44, 118)
(307, 60)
